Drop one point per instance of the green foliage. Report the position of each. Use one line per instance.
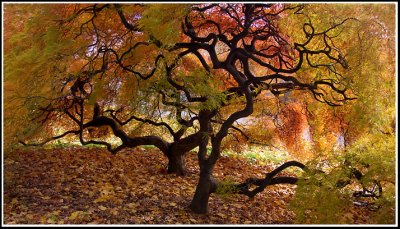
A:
(226, 188)
(387, 211)
(34, 59)
(201, 83)
(372, 73)
(317, 200)
(375, 155)
(377, 152)
(260, 155)
(375, 88)
(163, 21)
(99, 92)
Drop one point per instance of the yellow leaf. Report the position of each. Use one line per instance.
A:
(193, 220)
(57, 212)
(172, 204)
(51, 221)
(128, 182)
(43, 220)
(101, 207)
(75, 215)
(132, 205)
(103, 198)
(221, 215)
(114, 211)
(14, 201)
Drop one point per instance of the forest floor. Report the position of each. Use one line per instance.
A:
(90, 186)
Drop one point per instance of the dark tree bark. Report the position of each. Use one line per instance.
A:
(205, 186)
(176, 164)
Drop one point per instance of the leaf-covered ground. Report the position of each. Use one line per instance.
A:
(91, 186)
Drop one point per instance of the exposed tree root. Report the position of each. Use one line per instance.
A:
(270, 179)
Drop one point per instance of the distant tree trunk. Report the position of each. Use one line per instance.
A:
(176, 163)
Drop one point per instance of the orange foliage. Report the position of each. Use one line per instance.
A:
(292, 126)
(230, 20)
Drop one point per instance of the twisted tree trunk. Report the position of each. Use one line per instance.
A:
(205, 187)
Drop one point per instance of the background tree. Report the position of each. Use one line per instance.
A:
(101, 80)
(361, 135)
